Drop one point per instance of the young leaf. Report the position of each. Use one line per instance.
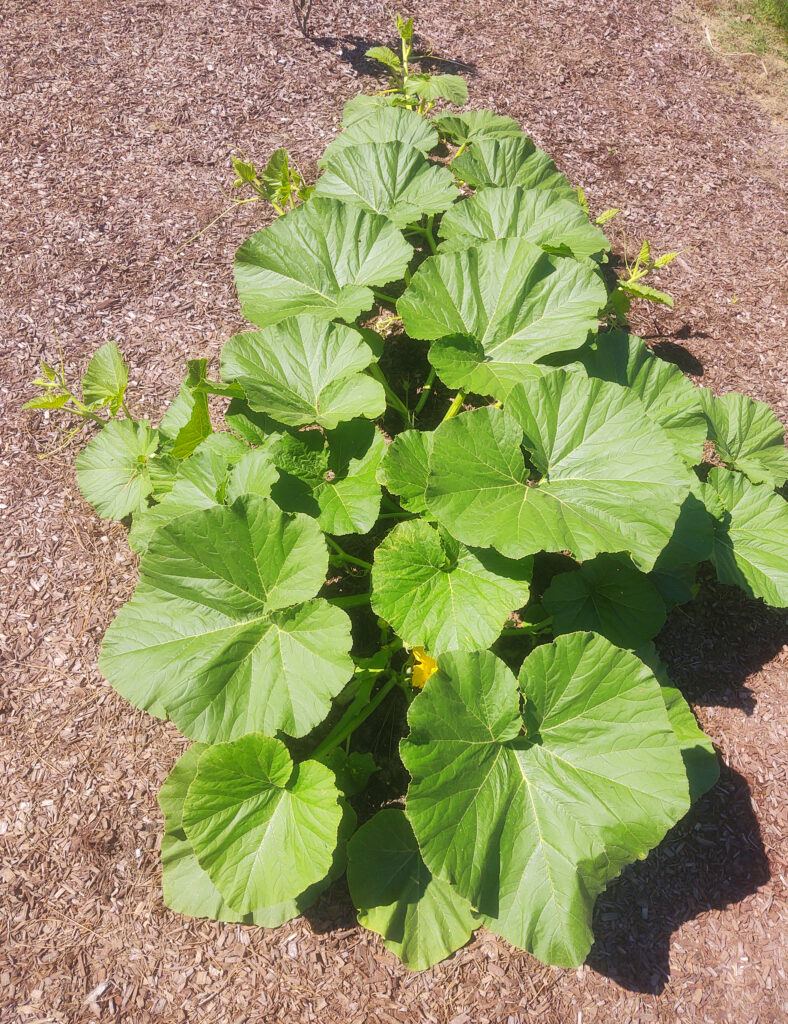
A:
(381, 124)
(748, 436)
(404, 468)
(250, 807)
(530, 828)
(106, 378)
(46, 401)
(187, 889)
(222, 631)
(471, 125)
(610, 479)
(517, 161)
(670, 399)
(518, 302)
(441, 595)
(385, 55)
(750, 530)
(320, 258)
(541, 217)
(606, 595)
(389, 178)
(112, 468)
(643, 291)
(198, 484)
(421, 918)
(453, 88)
(332, 477)
(306, 370)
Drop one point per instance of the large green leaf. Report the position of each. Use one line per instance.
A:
(364, 105)
(453, 88)
(104, 382)
(670, 399)
(530, 815)
(460, 362)
(320, 258)
(606, 595)
(690, 543)
(518, 302)
(376, 123)
(332, 476)
(541, 217)
(750, 535)
(697, 750)
(439, 594)
(404, 468)
(389, 178)
(748, 436)
(253, 473)
(222, 632)
(305, 370)
(605, 476)
(477, 124)
(516, 161)
(199, 483)
(263, 829)
(187, 889)
(112, 468)
(421, 918)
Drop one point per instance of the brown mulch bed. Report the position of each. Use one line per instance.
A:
(117, 122)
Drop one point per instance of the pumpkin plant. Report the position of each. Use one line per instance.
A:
(408, 624)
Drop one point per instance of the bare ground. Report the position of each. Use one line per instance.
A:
(117, 121)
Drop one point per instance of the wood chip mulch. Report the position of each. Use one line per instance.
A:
(117, 123)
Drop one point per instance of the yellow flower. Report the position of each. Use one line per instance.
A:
(423, 667)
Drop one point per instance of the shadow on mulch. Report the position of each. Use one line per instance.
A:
(712, 859)
(713, 644)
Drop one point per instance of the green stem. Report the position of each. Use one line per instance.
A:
(125, 409)
(425, 394)
(429, 235)
(376, 372)
(344, 728)
(389, 300)
(351, 559)
(455, 406)
(398, 515)
(461, 150)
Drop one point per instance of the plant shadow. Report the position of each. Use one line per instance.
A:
(712, 859)
(352, 50)
(712, 645)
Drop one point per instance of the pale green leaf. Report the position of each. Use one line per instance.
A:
(453, 88)
(541, 217)
(379, 124)
(364, 105)
(105, 380)
(477, 124)
(250, 808)
(112, 468)
(421, 918)
(253, 473)
(644, 291)
(530, 816)
(606, 595)
(389, 178)
(750, 535)
(670, 399)
(438, 594)
(404, 468)
(516, 161)
(222, 631)
(384, 55)
(321, 258)
(46, 402)
(187, 889)
(520, 303)
(747, 436)
(605, 478)
(199, 483)
(305, 370)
